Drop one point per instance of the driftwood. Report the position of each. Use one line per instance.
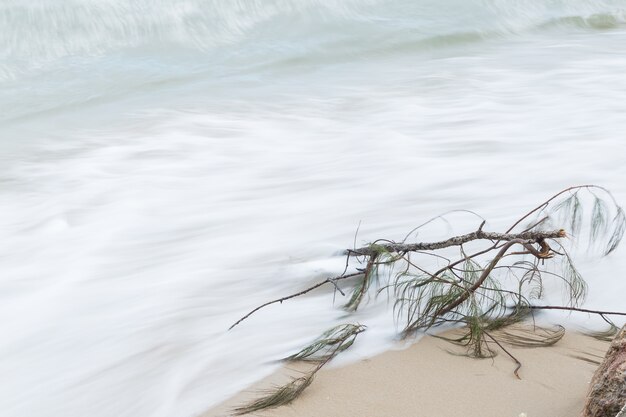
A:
(524, 238)
(607, 395)
(498, 283)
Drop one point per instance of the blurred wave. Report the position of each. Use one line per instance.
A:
(95, 50)
(45, 30)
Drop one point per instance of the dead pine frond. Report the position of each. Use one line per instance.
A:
(364, 283)
(330, 343)
(530, 337)
(322, 350)
(619, 222)
(278, 396)
(604, 335)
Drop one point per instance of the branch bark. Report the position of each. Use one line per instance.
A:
(528, 237)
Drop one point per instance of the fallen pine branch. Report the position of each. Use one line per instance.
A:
(470, 288)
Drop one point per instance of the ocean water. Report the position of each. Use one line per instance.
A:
(165, 166)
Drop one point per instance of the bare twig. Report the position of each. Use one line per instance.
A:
(280, 300)
(581, 310)
(518, 363)
(443, 217)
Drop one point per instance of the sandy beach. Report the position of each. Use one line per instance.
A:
(426, 380)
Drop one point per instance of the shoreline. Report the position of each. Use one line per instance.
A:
(431, 379)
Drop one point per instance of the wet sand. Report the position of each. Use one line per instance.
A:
(426, 380)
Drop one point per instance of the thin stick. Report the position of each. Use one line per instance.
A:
(519, 364)
(581, 310)
(442, 217)
(280, 300)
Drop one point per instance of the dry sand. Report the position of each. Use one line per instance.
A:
(425, 380)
